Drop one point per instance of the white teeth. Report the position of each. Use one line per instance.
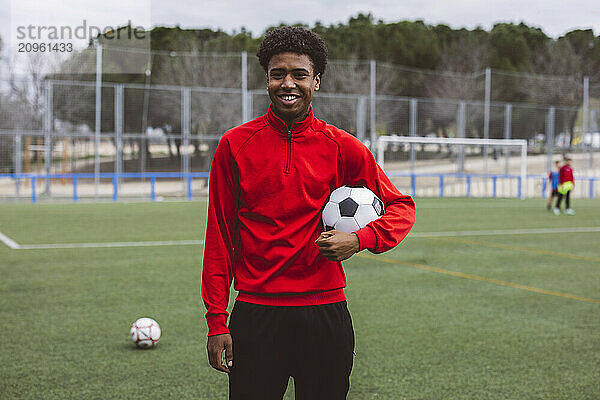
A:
(289, 98)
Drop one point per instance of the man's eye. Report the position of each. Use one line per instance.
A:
(300, 76)
(277, 75)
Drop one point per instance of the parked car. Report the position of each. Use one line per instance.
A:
(563, 139)
(592, 138)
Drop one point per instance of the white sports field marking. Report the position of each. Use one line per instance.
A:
(109, 244)
(9, 242)
(535, 231)
(14, 245)
(507, 205)
(447, 206)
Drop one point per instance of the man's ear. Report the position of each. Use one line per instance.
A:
(317, 81)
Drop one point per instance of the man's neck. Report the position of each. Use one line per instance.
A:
(289, 122)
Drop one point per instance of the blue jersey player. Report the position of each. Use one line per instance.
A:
(553, 178)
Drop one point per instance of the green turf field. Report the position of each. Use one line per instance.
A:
(511, 312)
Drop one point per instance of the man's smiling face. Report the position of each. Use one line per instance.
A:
(291, 84)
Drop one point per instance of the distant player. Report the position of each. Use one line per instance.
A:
(269, 181)
(553, 179)
(566, 183)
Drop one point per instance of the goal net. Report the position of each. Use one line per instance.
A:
(456, 167)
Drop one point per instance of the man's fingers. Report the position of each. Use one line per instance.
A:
(323, 237)
(229, 354)
(326, 251)
(222, 368)
(321, 241)
(215, 347)
(324, 247)
(216, 361)
(213, 359)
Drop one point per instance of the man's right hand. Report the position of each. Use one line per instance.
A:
(215, 346)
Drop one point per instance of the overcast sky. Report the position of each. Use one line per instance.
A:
(555, 17)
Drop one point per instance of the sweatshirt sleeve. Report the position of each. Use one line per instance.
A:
(386, 232)
(217, 271)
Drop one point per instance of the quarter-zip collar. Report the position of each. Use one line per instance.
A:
(297, 127)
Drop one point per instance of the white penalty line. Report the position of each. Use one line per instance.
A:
(9, 242)
(109, 244)
(505, 232)
(13, 245)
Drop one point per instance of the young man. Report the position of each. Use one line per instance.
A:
(566, 184)
(269, 181)
(553, 179)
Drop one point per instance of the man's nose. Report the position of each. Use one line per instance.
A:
(288, 81)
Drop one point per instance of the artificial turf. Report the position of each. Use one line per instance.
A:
(422, 332)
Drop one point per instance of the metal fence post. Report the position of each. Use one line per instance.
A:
(18, 161)
(118, 135)
(361, 118)
(486, 117)
(245, 116)
(185, 132)
(586, 120)
(412, 127)
(460, 133)
(47, 127)
(550, 137)
(98, 117)
(373, 105)
(507, 134)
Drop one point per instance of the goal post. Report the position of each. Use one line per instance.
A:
(454, 147)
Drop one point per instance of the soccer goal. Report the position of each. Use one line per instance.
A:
(458, 167)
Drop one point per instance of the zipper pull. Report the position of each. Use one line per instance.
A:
(289, 135)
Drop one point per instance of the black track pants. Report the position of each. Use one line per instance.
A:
(313, 344)
(567, 197)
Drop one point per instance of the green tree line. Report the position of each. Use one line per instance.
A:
(507, 46)
(510, 47)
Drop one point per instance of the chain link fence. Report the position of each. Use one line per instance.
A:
(59, 126)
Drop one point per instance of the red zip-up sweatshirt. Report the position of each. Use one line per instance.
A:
(268, 186)
(566, 174)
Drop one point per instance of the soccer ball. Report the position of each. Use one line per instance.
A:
(351, 208)
(145, 333)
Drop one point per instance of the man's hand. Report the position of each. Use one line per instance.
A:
(215, 346)
(336, 245)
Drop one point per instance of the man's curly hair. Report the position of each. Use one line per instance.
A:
(294, 39)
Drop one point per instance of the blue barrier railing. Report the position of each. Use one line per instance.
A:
(188, 177)
(495, 179)
(75, 178)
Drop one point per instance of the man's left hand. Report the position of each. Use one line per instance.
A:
(337, 245)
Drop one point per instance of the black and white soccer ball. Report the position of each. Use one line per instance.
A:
(351, 208)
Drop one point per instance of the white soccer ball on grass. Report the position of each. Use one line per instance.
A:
(351, 208)
(145, 333)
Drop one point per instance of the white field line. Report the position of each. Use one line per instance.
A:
(515, 204)
(109, 244)
(505, 232)
(15, 246)
(8, 241)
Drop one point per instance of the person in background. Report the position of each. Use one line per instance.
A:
(553, 179)
(566, 183)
